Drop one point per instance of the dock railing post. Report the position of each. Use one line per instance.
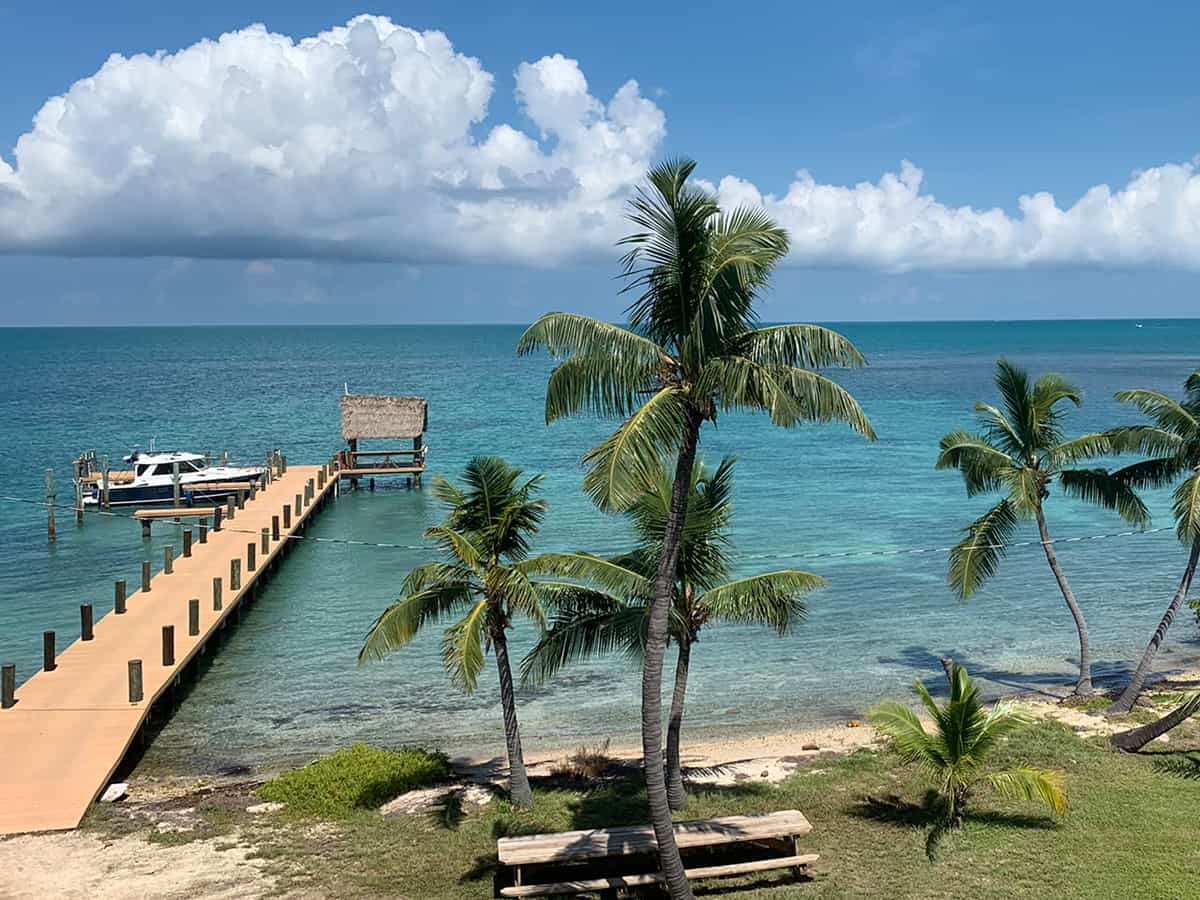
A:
(168, 559)
(86, 632)
(48, 663)
(119, 597)
(194, 616)
(51, 531)
(104, 483)
(168, 645)
(145, 576)
(135, 681)
(8, 686)
(217, 593)
(187, 542)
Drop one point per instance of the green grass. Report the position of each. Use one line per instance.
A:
(1130, 832)
(358, 777)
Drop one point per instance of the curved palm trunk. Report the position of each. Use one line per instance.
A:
(1084, 684)
(1137, 738)
(652, 666)
(518, 780)
(676, 794)
(1130, 694)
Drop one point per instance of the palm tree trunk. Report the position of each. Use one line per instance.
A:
(656, 645)
(676, 794)
(1137, 738)
(518, 779)
(1130, 694)
(1084, 684)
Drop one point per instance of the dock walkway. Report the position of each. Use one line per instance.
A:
(71, 727)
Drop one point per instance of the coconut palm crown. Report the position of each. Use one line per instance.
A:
(480, 585)
(1020, 452)
(613, 617)
(1171, 443)
(954, 754)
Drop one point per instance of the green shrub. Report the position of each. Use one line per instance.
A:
(358, 777)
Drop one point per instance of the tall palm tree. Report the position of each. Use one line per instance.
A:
(485, 542)
(1172, 443)
(691, 351)
(589, 622)
(1021, 452)
(954, 753)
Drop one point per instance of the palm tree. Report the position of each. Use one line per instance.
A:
(1172, 443)
(485, 542)
(589, 622)
(954, 753)
(691, 351)
(1021, 452)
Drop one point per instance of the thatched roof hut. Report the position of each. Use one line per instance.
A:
(366, 416)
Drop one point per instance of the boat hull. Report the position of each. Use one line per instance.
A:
(164, 495)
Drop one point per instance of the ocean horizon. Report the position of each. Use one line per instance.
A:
(873, 519)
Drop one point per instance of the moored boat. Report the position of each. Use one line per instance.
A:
(154, 475)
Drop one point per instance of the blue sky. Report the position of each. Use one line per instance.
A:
(370, 176)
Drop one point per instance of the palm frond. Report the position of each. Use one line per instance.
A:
(1025, 486)
(589, 631)
(1102, 488)
(457, 545)
(1168, 414)
(1152, 473)
(592, 570)
(462, 647)
(1187, 509)
(1148, 439)
(1040, 785)
(400, 623)
(999, 431)
(565, 334)
(975, 558)
(800, 346)
(979, 462)
(774, 599)
(1013, 384)
(1086, 446)
(598, 384)
(628, 461)
(906, 733)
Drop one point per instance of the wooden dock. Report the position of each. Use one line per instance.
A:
(70, 727)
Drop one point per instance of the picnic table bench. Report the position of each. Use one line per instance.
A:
(614, 859)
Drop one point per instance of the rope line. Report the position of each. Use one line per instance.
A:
(799, 554)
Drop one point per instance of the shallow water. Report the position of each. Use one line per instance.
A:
(286, 685)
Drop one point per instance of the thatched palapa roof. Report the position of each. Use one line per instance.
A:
(367, 416)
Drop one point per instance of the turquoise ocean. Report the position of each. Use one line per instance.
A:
(285, 685)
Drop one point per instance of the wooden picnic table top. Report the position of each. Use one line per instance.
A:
(627, 840)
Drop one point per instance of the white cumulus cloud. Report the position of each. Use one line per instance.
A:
(373, 141)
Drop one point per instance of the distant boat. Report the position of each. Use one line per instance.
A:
(1137, 324)
(153, 480)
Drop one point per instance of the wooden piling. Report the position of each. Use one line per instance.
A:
(235, 575)
(104, 483)
(146, 576)
(119, 597)
(8, 686)
(250, 548)
(187, 542)
(274, 528)
(146, 529)
(287, 516)
(240, 499)
(253, 489)
(282, 463)
(135, 681)
(194, 616)
(176, 487)
(265, 542)
(224, 457)
(51, 531)
(77, 484)
(217, 519)
(216, 592)
(48, 663)
(203, 535)
(168, 559)
(86, 632)
(168, 645)
(299, 505)
(230, 507)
